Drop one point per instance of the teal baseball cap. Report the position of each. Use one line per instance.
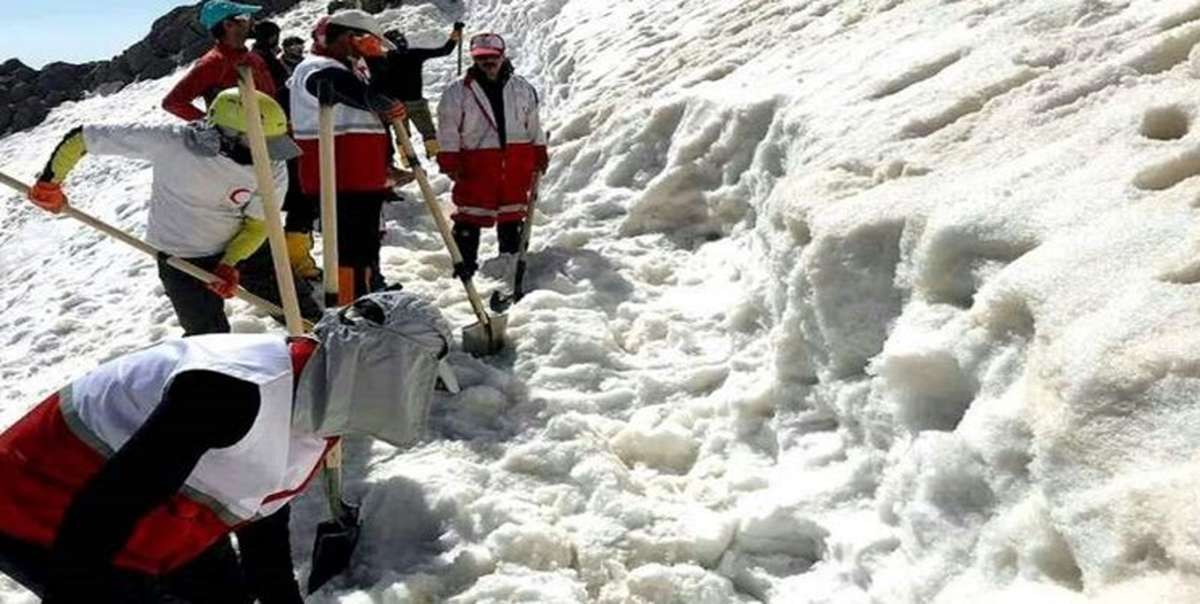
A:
(216, 11)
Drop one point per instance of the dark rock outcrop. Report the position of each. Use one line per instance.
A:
(177, 38)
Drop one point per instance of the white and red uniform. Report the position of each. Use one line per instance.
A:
(361, 145)
(48, 456)
(491, 181)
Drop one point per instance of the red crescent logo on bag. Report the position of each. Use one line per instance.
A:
(240, 197)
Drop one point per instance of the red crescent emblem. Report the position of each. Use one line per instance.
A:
(240, 196)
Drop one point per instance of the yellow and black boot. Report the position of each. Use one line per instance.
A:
(299, 246)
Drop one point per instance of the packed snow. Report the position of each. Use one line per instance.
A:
(859, 301)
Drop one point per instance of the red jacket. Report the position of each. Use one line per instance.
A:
(214, 72)
(492, 179)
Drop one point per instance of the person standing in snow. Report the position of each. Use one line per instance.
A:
(266, 46)
(230, 24)
(492, 144)
(293, 53)
(301, 210)
(123, 487)
(364, 170)
(203, 202)
(399, 75)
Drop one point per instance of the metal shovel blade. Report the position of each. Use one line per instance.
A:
(333, 547)
(485, 338)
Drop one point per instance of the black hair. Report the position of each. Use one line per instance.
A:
(337, 5)
(263, 30)
(288, 41)
(218, 30)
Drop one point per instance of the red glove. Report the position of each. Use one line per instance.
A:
(228, 282)
(448, 162)
(396, 112)
(542, 158)
(48, 196)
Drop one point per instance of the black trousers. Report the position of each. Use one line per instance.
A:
(262, 572)
(213, 578)
(359, 242)
(258, 277)
(199, 310)
(508, 236)
(301, 210)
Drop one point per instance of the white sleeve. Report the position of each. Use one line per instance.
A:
(449, 123)
(137, 142)
(536, 133)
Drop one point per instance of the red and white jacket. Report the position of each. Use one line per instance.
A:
(491, 184)
(361, 144)
(49, 455)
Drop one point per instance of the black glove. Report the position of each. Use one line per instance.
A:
(465, 270)
(459, 25)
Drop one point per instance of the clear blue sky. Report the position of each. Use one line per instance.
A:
(76, 31)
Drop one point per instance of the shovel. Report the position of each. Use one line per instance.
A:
(499, 302)
(177, 263)
(458, 26)
(488, 335)
(336, 538)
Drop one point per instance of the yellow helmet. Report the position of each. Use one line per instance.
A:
(226, 112)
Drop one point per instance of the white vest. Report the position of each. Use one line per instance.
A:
(306, 106)
(112, 402)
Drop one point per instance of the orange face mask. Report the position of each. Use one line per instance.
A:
(367, 45)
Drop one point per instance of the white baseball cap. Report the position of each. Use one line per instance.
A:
(360, 20)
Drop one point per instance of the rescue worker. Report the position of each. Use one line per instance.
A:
(124, 486)
(400, 75)
(301, 211)
(363, 149)
(230, 24)
(293, 52)
(203, 202)
(266, 46)
(492, 143)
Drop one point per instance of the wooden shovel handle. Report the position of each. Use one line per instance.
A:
(177, 263)
(266, 190)
(439, 217)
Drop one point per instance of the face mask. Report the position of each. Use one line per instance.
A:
(234, 147)
(367, 45)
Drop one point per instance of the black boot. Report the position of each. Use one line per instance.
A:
(508, 235)
(467, 238)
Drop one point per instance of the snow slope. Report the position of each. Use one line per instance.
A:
(849, 301)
